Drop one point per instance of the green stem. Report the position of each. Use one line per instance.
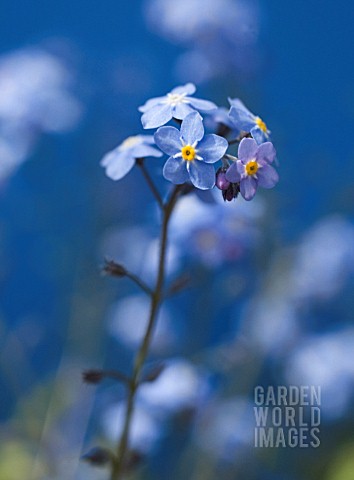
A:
(156, 299)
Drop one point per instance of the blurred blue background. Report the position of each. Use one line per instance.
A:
(71, 78)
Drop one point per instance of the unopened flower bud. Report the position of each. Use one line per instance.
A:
(93, 376)
(231, 192)
(221, 181)
(115, 269)
(98, 457)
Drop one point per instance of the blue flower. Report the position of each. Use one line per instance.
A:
(121, 160)
(221, 118)
(247, 121)
(178, 104)
(253, 169)
(191, 153)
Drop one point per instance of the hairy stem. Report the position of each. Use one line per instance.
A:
(156, 299)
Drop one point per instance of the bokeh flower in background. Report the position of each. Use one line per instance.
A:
(216, 233)
(122, 242)
(324, 259)
(146, 430)
(180, 387)
(326, 360)
(224, 430)
(218, 37)
(36, 96)
(127, 320)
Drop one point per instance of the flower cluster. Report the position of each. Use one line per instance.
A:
(192, 154)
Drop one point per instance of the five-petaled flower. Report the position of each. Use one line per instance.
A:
(121, 160)
(176, 104)
(253, 169)
(191, 153)
(247, 121)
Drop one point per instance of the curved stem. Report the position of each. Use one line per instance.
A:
(156, 299)
(150, 183)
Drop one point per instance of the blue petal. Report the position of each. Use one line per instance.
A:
(151, 103)
(202, 105)
(212, 147)
(141, 151)
(149, 139)
(247, 149)
(266, 153)
(267, 176)
(201, 174)
(221, 115)
(258, 135)
(236, 102)
(156, 116)
(248, 187)
(117, 163)
(175, 171)
(169, 140)
(181, 110)
(232, 174)
(188, 89)
(242, 118)
(192, 129)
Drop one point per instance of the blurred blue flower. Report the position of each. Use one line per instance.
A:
(326, 360)
(121, 160)
(123, 244)
(180, 386)
(176, 104)
(194, 224)
(252, 169)
(145, 430)
(191, 152)
(35, 97)
(219, 36)
(323, 260)
(225, 429)
(247, 121)
(127, 320)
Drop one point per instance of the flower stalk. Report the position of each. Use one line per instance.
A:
(118, 462)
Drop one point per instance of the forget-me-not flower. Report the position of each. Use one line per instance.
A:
(247, 121)
(121, 160)
(253, 169)
(191, 153)
(221, 118)
(176, 104)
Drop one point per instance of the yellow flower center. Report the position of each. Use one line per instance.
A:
(188, 153)
(261, 125)
(252, 167)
